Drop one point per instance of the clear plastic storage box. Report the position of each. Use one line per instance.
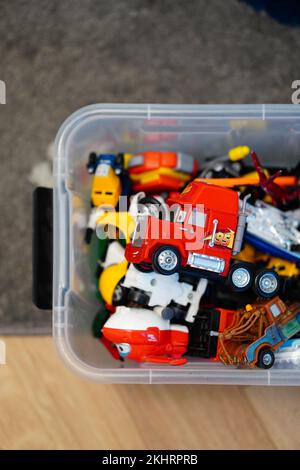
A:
(200, 130)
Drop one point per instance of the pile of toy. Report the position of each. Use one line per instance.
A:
(200, 260)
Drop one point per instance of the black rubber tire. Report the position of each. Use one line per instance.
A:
(92, 159)
(156, 265)
(143, 267)
(257, 287)
(262, 357)
(233, 269)
(120, 160)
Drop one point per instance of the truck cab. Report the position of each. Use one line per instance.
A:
(200, 232)
(203, 229)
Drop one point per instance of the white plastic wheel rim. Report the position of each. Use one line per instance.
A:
(167, 260)
(268, 283)
(267, 359)
(241, 277)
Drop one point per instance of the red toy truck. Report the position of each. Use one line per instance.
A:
(205, 228)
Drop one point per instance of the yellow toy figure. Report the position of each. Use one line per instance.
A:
(106, 186)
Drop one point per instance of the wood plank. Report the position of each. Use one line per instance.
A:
(279, 409)
(44, 406)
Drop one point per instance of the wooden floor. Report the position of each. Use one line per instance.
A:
(44, 406)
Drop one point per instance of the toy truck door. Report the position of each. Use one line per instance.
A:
(191, 223)
(287, 322)
(219, 235)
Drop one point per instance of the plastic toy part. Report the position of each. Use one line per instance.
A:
(116, 162)
(109, 281)
(238, 153)
(280, 196)
(106, 187)
(267, 283)
(143, 335)
(240, 277)
(288, 271)
(111, 271)
(115, 225)
(156, 171)
(247, 181)
(282, 267)
(289, 352)
(225, 165)
(272, 231)
(164, 290)
(257, 331)
(205, 330)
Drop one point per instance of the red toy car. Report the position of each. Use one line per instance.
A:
(206, 229)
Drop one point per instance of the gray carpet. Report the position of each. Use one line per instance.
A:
(56, 56)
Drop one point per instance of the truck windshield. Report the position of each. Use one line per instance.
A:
(197, 217)
(180, 215)
(140, 230)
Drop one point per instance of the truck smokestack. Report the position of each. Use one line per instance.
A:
(241, 226)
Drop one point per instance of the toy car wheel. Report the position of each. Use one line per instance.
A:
(240, 277)
(266, 359)
(92, 162)
(120, 160)
(143, 267)
(166, 260)
(267, 283)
